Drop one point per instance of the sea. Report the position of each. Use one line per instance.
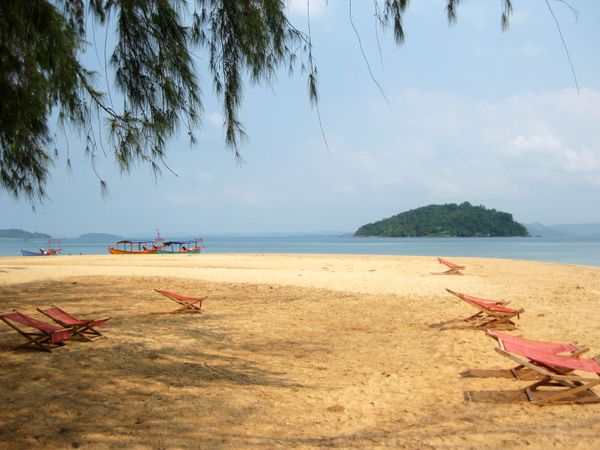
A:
(565, 249)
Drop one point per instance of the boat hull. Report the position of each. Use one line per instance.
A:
(186, 252)
(28, 253)
(116, 251)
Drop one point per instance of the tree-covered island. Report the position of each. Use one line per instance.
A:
(15, 233)
(464, 220)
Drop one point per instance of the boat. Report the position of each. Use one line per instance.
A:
(181, 247)
(133, 248)
(128, 247)
(53, 249)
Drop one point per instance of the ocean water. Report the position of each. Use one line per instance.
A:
(570, 250)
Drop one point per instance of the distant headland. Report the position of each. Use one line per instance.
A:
(448, 220)
(15, 233)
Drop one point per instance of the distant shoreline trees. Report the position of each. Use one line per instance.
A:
(448, 220)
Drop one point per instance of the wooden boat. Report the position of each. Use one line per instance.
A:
(133, 248)
(54, 249)
(137, 247)
(181, 247)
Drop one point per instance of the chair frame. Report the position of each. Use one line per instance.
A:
(487, 317)
(570, 384)
(41, 339)
(453, 269)
(83, 328)
(188, 304)
(522, 372)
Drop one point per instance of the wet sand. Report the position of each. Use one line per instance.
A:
(291, 351)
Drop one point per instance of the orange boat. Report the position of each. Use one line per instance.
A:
(133, 248)
(137, 247)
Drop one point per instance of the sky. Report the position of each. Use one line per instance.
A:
(468, 113)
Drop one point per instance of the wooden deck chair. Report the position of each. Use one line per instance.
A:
(559, 383)
(491, 314)
(188, 304)
(84, 328)
(453, 269)
(521, 372)
(47, 337)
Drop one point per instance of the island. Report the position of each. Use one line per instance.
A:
(15, 233)
(448, 220)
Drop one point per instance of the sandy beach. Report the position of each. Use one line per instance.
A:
(291, 351)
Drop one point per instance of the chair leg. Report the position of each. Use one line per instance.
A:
(565, 393)
(41, 343)
(87, 333)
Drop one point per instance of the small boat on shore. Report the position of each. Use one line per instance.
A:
(54, 249)
(181, 247)
(133, 248)
(128, 247)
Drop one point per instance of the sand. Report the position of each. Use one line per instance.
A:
(291, 351)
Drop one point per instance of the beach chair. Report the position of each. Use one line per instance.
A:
(453, 269)
(491, 314)
(559, 383)
(47, 337)
(188, 304)
(521, 372)
(84, 328)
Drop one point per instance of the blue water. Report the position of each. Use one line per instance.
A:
(571, 250)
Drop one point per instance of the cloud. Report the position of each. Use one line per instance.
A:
(215, 119)
(441, 147)
(299, 7)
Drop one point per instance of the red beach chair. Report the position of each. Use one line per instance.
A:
(188, 304)
(492, 314)
(84, 328)
(559, 383)
(453, 269)
(47, 337)
(521, 372)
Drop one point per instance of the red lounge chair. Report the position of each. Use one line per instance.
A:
(492, 314)
(453, 269)
(188, 304)
(559, 383)
(46, 337)
(84, 328)
(521, 372)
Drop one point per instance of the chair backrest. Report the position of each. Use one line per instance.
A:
(179, 297)
(61, 316)
(30, 322)
(450, 264)
(544, 346)
(560, 361)
(487, 305)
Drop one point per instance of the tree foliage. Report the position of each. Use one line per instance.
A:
(152, 67)
(462, 220)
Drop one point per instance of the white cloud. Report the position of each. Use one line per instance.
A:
(299, 7)
(216, 119)
(535, 148)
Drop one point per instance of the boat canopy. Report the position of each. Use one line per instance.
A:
(180, 242)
